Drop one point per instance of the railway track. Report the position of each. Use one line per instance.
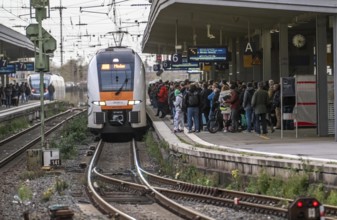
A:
(148, 200)
(163, 188)
(222, 197)
(15, 145)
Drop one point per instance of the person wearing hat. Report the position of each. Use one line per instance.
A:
(178, 120)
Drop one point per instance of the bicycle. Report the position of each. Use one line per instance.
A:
(213, 125)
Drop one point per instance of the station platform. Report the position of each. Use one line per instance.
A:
(22, 108)
(306, 145)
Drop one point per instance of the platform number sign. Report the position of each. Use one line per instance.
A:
(156, 67)
(176, 58)
(25, 66)
(305, 208)
(3, 62)
(166, 64)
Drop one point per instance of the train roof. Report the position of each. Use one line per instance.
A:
(122, 54)
(47, 73)
(115, 49)
(53, 75)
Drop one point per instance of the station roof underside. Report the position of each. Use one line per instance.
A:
(15, 45)
(231, 19)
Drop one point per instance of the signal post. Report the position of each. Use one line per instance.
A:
(46, 45)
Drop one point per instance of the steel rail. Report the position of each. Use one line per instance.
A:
(218, 192)
(174, 194)
(183, 211)
(32, 143)
(244, 198)
(4, 141)
(96, 198)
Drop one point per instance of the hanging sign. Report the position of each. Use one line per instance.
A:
(207, 54)
(179, 62)
(10, 68)
(24, 66)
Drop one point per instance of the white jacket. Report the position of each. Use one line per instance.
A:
(178, 102)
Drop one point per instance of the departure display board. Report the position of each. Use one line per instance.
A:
(207, 54)
(10, 68)
(184, 64)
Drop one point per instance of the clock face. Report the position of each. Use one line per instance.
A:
(298, 40)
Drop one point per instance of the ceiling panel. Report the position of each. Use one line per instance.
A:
(230, 21)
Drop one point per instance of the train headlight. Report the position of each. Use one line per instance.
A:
(99, 103)
(134, 102)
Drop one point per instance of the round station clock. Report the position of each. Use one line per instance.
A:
(298, 40)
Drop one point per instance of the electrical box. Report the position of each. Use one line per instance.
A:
(34, 159)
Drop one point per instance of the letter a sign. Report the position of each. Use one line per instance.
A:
(249, 48)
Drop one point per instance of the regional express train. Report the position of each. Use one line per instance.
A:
(116, 92)
(48, 78)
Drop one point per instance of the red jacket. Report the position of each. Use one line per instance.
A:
(234, 100)
(162, 94)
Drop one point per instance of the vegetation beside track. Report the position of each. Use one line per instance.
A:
(297, 184)
(72, 134)
(8, 128)
(175, 165)
(14, 125)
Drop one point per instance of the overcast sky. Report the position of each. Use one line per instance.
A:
(86, 23)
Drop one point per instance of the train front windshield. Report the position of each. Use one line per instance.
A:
(116, 77)
(34, 82)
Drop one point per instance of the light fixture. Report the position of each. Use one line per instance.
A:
(134, 102)
(209, 35)
(99, 103)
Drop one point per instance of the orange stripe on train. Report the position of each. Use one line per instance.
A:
(108, 96)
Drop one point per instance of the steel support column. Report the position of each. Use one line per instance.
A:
(235, 62)
(322, 82)
(283, 53)
(334, 43)
(266, 45)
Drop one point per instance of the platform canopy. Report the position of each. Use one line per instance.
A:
(204, 21)
(15, 45)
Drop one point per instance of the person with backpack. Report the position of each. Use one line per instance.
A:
(225, 107)
(234, 102)
(192, 101)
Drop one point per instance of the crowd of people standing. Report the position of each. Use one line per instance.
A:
(13, 93)
(245, 106)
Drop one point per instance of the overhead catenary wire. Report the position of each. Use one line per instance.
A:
(97, 23)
